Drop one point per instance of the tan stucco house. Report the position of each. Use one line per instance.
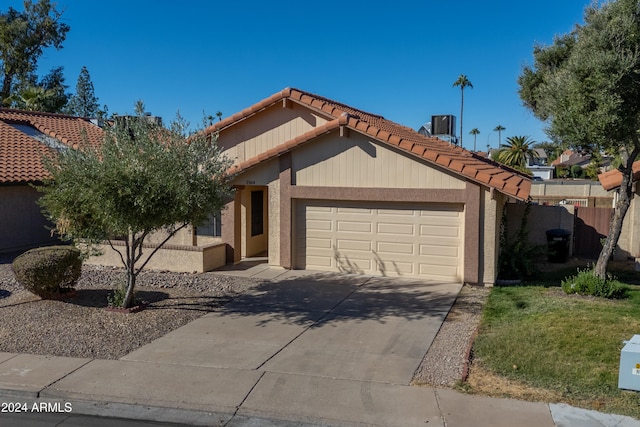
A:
(324, 186)
(24, 136)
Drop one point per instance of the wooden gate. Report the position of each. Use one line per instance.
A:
(591, 225)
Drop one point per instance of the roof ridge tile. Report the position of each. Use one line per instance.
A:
(432, 149)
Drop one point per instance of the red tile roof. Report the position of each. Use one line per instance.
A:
(21, 154)
(613, 178)
(456, 159)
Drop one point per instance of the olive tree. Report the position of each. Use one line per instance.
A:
(586, 86)
(142, 179)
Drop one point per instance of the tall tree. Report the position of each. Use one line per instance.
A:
(586, 86)
(54, 82)
(48, 95)
(462, 82)
(84, 103)
(23, 38)
(499, 129)
(143, 178)
(475, 132)
(516, 152)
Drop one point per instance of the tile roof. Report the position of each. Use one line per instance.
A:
(21, 154)
(456, 159)
(612, 179)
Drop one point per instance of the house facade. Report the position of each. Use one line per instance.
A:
(324, 186)
(24, 137)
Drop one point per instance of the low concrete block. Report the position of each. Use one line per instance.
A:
(466, 410)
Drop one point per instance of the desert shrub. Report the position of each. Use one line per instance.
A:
(587, 283)
(116, 299)
(48, 271)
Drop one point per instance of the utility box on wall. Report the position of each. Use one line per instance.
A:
(629, 375)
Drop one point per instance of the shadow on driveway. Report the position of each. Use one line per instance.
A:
(305, 299)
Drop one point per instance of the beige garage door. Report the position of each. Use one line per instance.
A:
(391, 239)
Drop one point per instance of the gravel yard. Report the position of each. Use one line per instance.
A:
(444, 363)
(81, 327)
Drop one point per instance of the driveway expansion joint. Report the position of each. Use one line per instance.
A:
(311, 325)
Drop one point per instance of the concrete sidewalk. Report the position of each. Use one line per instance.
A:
(304, 349)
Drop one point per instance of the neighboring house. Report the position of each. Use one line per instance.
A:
(24, 138)
(569, 158)
(629, 242)
(539, 160)
(538, 165)
(324, 186)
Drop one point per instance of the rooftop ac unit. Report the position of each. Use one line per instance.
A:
(443, 125)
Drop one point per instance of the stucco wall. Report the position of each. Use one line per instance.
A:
(540, 219)
(183, 237)
(279, 123)
(629, 242)
(274, 222)
(171, 257)
(570, 189)
(491, 212)
(357, 161)
(22, 225)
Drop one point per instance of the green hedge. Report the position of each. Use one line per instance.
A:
(48, 271)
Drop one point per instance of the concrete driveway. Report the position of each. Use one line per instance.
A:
(314, 348)
(326, 325)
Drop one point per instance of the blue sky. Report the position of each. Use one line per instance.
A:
(397, 59)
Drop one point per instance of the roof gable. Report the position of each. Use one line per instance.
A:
(456, 159)
(25, 136)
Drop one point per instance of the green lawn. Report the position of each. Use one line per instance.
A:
(569, 345)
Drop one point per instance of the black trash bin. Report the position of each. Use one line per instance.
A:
(558, 244)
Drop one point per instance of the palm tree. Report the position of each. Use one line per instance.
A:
(463, 82)
(32, 98)
(474, 132)
(499, 129)
(516, 152)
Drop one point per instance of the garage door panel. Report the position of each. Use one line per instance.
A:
(395, 212)
(354, 227)
(316, 224)
(354, 265)
(441, 230)
(438, 261)
(392, 239)
(437, 270)
(442, 250)
(357, 245)
(318, 261)
(396, 229)
(396, 248)
(398, 268)
(321, 209)
(357, 211)
(315, 242)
